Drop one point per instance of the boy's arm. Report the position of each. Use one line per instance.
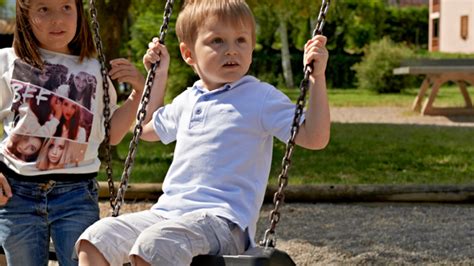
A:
(126, 114)
(156, 53)
(315, 131)
(149, 133)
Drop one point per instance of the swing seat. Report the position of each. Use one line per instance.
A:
(257, 256)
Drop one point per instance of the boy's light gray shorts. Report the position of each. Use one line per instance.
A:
(162, 241)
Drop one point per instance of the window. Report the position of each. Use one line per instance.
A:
(464, 27)
(435, 28)
(435, 34)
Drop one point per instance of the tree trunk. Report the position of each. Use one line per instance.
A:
(112, 16)
(285, 54)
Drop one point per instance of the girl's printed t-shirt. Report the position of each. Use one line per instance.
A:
(52, 117)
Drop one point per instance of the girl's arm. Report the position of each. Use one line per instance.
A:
(123, 118)
(315, 131)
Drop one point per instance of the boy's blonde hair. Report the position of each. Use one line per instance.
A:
(195, 12)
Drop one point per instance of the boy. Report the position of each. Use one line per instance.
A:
(224, 126)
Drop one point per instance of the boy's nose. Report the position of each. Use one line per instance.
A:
(231, 50)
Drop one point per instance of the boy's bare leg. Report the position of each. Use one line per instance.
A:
(89, 255)
(138, 261)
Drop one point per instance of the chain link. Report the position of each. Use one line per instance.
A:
(116, 200)
(119, 199)
(269, 239)
(106, 100)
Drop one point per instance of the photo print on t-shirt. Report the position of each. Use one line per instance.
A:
(46, 114)
(53, 117)
(79, 86)
(49, 153)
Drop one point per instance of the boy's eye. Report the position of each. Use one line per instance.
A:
(217, 40)
(241, 40)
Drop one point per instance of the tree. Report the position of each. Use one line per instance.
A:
(288, 24)
(281, 10)
(110, 15)
(148, 18)
(113, 16)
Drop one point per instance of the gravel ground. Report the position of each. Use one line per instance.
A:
(394, 115)
(368, 233)
(372, 233)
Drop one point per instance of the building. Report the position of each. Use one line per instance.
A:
(451, 27)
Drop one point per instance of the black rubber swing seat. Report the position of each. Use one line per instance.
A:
(257, 256)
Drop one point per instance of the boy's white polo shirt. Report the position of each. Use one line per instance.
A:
(224, 147)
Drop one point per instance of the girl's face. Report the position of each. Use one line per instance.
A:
(53, 23)
(28, 146)
(69, 109)
(80, 80)
(55, 150)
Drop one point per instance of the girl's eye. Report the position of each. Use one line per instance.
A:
(32, 149)
(42, 10)
(67, 7)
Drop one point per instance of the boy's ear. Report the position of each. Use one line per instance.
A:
(186, 53)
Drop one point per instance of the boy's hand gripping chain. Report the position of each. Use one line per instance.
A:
(279, 196)
(116, 201)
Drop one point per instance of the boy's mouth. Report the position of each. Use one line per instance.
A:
(231, 64)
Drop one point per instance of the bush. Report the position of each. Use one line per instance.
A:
(339, 72)
(375, 71)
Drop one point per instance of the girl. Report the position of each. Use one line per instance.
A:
(82, 85)
(70, 123)
(51, 154)
(43, 116)
(55, 203)
(24, 148)
(59, 153)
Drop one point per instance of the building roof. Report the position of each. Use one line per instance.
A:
(7, 26)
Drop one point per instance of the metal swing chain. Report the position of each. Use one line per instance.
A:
(116, 200)
(279, 196)
(119, 199)
(106, 100)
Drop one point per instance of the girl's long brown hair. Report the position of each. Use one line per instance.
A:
(26, 45)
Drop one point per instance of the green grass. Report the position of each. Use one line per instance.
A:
(357, 153)
(447, 96)
(386, 154)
